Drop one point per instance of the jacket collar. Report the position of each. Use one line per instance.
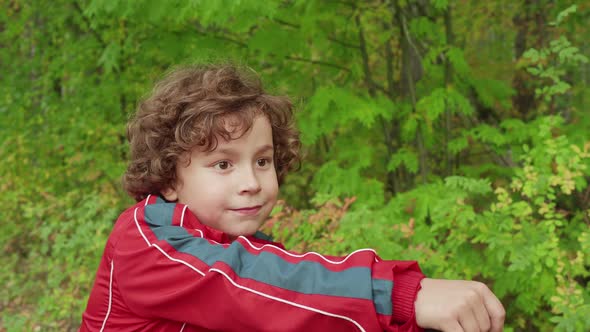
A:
(190, 221)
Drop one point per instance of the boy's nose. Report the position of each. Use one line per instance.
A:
(248, 182)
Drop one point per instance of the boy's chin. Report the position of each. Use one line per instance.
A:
(243, 228)
(235, 235)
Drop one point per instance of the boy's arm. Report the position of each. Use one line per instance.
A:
(170, 272)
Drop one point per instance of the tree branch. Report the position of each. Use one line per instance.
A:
(408, 81)
(88, 23)
(317, 62)
(448, 82)
(504, 161)
(285, 23)
(365, 56)
(372, 87)
(349, 4)
(408, 38)
(330, 38)
(343, 43)
(389, 70)
(215, 35)
(390, 142)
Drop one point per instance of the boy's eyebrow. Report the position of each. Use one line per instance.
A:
(231, 151)
(264, 148)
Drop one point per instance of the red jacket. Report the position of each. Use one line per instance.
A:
(162, 270)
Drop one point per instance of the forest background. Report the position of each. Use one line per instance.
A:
(450, 132)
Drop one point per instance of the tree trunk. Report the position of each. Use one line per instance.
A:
(411, 72)
(448, 83)
(390, 185)
(530, 24)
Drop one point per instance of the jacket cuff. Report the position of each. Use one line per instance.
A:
(405, 289)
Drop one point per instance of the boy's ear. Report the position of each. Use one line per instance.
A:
(170, 194)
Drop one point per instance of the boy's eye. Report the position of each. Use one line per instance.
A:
(222, 165)
(262, 162)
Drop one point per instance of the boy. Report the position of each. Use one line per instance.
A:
(209, 149)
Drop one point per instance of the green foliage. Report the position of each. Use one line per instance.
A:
(404, 157)
(551, 63)
(331, 108)
(57, 256)
(525, 238)
(424, 137)
(566, 55)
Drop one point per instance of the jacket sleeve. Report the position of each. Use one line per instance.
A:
(167, 271)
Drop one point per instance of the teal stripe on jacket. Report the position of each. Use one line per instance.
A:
(304, 277)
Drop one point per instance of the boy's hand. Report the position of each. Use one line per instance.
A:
(458, 306)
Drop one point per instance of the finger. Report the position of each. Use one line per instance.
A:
(494, 308)
(481, 313)
(452, 326)
(468, 321)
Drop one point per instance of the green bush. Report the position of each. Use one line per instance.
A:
(52, 259)
(528, 239)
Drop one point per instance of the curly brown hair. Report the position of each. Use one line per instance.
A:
(190, 108)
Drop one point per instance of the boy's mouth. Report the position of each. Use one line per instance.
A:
(248, 211)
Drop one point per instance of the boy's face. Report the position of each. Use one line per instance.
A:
(234, 187)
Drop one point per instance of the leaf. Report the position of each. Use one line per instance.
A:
(517, 131)
(458, 103)
(457, 59)
(331, 107)
(564, 14)
(493, 93)
(433, 105)
(534, 71)
(488, 134)
(239, 15)
(403, 157)
(275, 40)
(110, 57)
(423, 27)
(532, 54)
(440, 4)
(333, 181)
(362, 156)
(97, 7)
(475, 186)
(409, 127)
(458, 144)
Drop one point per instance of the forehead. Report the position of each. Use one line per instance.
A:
(242, 137)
